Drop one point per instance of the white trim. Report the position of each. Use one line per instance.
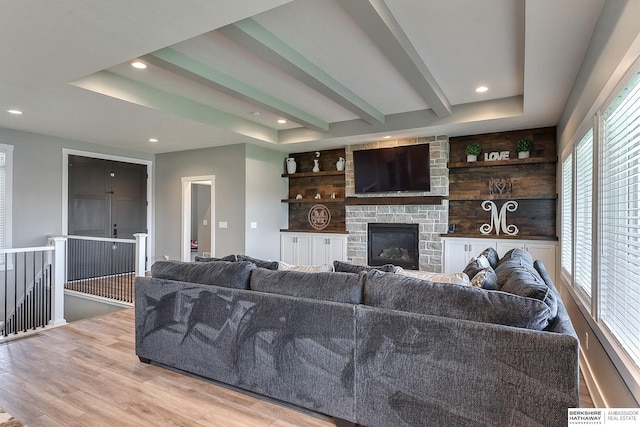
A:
(66, 152)
(592, 385)
(185, 233)
(8, 197)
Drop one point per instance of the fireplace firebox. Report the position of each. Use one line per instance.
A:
(395, 244)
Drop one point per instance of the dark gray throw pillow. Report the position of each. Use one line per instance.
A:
(517, 253)
(269, 265)
(220, 273)
(492, 256)
(485, 279)
(326, 286)
(230, 258)
(396, 292)
(475, 265)
(347, 267)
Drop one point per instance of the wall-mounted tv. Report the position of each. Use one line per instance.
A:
(404, 168)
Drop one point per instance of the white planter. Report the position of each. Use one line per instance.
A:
(523, 155)
(471, 158)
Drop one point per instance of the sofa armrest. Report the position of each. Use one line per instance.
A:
(414, 369)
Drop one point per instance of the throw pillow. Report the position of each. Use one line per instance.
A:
(517, 253)
(305, 268)
(476, 264)
(397, 292)
(270, 265)
(492, 256)
(219, 273)
(230, 258)
(347, 267)
(485, 279)
(454, 278)
(326, 286)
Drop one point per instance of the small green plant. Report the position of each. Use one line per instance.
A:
(524, 144)
(473, 149)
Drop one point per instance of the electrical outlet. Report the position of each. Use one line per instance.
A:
(586, 340)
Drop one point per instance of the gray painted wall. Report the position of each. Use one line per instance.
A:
(613, 48)
(37, 182)
(228, 165)
(265, 188)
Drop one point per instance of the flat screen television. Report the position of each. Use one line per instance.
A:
(404, 168)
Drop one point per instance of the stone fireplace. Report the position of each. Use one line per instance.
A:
(431, 219)
(395, 244)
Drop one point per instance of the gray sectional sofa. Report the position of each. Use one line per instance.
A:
(371, 348)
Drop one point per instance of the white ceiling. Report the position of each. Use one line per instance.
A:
(340, 71)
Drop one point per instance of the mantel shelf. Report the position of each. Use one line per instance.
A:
(503, 197)
(401, 200)
(499, 236)
(510, 162)
(328, 200)
(312, 174)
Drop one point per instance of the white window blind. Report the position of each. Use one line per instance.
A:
(566, 255)
(3, 200)
(619, 300)
(584, 208)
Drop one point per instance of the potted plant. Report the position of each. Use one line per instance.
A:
(472, 151)
(524, 147)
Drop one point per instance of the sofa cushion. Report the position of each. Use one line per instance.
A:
(485, 279)
(454, 278)
(517, 276)
(517, 253)
(492, 256)
(476, 264)
(270, 265)
(347, 267)
(220, 273)
(230, 258)
(396, 292)
(306, 268)
(326, 286)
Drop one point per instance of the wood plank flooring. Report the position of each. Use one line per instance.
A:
(86, 374)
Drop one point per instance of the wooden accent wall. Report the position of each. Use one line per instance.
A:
(530, 182)
(308, 183)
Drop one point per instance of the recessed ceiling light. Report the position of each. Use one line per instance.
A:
(153, 140)
(282, 121)
(139, 65)
(16, 112)
(482, 89)
(255, 113)
(387, 136)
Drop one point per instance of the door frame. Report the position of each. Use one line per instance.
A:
(66, 152)
(185, 234)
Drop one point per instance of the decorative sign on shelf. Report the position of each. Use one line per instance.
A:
(500, 186)
(319, 217)
(496, 155)
(499, 221)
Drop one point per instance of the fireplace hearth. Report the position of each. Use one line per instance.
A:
(395, 244)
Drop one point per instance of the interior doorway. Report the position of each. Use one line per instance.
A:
(198, 216)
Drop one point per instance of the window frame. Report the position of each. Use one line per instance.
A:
(8, 220)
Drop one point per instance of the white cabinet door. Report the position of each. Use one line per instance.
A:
(295, 248)
(545, 252)
(455, 255)
(328, 248)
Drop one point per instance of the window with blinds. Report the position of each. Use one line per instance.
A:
(619, 258)
(583, 218)
(3, 200)
(566, 254)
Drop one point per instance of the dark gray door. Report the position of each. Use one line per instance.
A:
(106, 199)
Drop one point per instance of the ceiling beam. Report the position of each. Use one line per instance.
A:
(264, 44)
(377, 21)
(113, 85)
(185, 66)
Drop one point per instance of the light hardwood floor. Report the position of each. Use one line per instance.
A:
(86, 374)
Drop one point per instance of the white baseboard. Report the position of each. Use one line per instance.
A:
(592, 386)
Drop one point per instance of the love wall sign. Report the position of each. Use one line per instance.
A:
(496, 155)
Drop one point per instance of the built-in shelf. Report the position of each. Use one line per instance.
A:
(327, 200)
(312, 174)
(503, 197)
(509, 162)
(400, 200)
(325, 231)
(500, 236)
